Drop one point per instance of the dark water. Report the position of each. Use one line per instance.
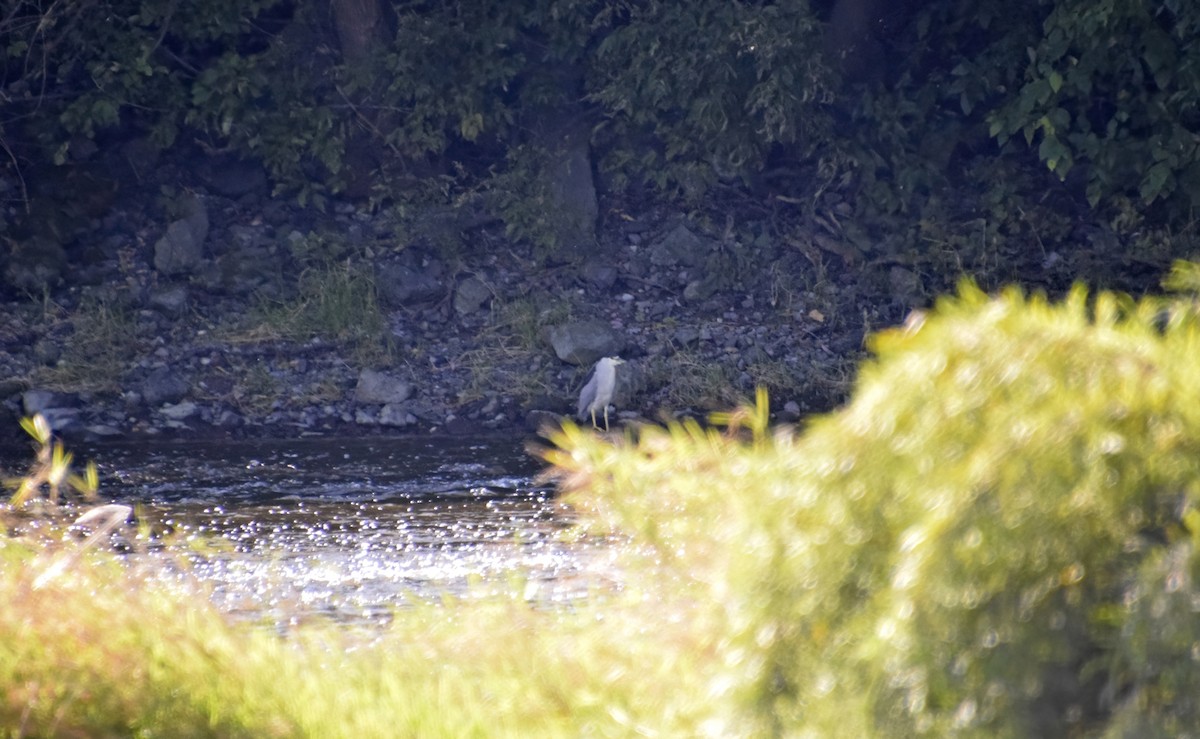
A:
(351, 529)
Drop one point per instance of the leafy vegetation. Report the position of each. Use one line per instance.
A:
(680, 96)
(1112, 86)
(998, 536)
(715, 85)
(134, 657)
(994, 538)
(1103, 94)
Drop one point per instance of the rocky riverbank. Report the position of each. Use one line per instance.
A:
(216, 309)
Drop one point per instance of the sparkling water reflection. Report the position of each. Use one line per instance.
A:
(352, 529)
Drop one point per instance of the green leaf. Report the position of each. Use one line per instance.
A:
(1155, 181)
(104, 111)
(470, 126)
(1056, 155)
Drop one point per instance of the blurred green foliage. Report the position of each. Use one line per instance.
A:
(996, 537)
(50, 479)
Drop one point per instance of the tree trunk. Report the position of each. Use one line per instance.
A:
(362, 32)
(859, 33)
(360, 28)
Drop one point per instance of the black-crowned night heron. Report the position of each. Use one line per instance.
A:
(598, 392)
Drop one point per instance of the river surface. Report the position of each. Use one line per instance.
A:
(350, 529)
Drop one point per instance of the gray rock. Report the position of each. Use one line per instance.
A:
(104, 516)
(471, 294)
(583, 342)
(441, 228)
(400, 285)
(248, 237)
(179, 411)
(163, 386)
(395, 414)
(790, 412)
(103, 430)
(38, 400)
(241, 271)
(906, 287)
(460, 426)
(539, 420)
(427, 411)
(228, 419)
(686, 336)
(62, 420)
(755, 354)
(171, 300)
(631, 380)
(599, 275)
(378, 388)
(182, 247)
(679, 246)
(10, 386)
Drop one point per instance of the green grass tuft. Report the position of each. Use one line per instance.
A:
(103, 338)
(334, 300)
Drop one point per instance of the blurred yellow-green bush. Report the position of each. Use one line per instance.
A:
(995, 537)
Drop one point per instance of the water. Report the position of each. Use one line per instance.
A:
(351, 529)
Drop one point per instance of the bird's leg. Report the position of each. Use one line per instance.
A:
(606, 416)
(594, 424)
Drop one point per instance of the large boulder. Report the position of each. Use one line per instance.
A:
(584, 342)
(409, 281)
(380, 388)
(163, 385)
(680, 246)
(470, 295)
(181, 248)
